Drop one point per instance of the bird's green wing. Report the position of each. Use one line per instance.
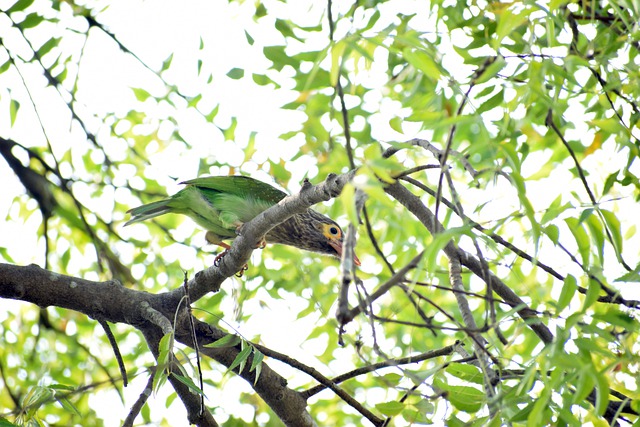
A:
(220, 204)
(240, 186)
(238, 199)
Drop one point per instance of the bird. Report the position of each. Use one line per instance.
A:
(222, 204)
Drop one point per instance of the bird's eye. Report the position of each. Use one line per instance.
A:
(332, 231)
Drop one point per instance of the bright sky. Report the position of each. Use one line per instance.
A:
(155, 30)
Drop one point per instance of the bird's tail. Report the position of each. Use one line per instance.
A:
(147, 211)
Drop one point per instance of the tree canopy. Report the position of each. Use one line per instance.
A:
(482, 158)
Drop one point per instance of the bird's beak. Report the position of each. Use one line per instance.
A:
(337, 245)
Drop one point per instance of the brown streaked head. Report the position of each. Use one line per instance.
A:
(311, 231)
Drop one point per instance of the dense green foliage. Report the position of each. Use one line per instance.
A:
(533, 107)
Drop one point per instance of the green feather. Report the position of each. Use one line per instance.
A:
(219, 204)
(241, 186)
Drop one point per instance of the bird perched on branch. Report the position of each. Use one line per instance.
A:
(222, 204)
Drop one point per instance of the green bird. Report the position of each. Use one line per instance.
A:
(222, 204)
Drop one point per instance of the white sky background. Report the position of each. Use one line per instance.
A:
(156, 29)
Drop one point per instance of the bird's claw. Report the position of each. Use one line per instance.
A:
(216, 262)
(218, 257)
(241, 272)
(262, 243)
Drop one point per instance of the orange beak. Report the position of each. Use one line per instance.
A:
(337, 245)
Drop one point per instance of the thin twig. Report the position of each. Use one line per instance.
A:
(140, 402)
(116, 350)
(445, 351)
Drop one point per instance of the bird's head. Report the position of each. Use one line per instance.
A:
(324, 236)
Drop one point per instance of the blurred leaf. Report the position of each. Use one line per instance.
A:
(4, 67)
(19, 6)
(465, 372)
(14, 106)
(492, 69)
(31, 20)
(228, 340)
(569, 288)
(236, 73)
(390, 409)
(423, 62)
(581, 237)
(141, 94)
(167, 63)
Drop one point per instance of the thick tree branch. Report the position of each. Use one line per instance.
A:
(112, 302)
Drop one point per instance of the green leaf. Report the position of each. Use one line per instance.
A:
(35, 398)
(593, 292)
(615, 317)
(465, 372)
(14, 106)
(569, 288)
(4, 253)
(492, 69)
(66, 404)
(632, 276)
(414, 417)
(241, 358)
(390, 408)
(608, 183)
(553, 232)
(6, 423)
(582, 239)
(537, 415)
(167, 63)
(250, 39)
(19, 6)
(585, 384)
(256, 363)
(31, 20)
(467, 399)
(236, 73)
(423, 62)
(50, 44)
(611, 125)
(165, 355)
(392, 379)
(585, 214)
(141, 94)
(285, 29)
(554, 210)
(188, 382)
(228, 340)
(261, 79)
(261, 11)
(463, 398)
(507, 22)
(495, 101)
(277, 55)
(4, 67)
(396, 124)
(613, 225)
